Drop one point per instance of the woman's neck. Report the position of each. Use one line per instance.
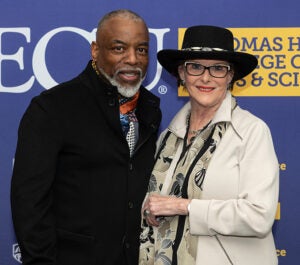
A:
(197, 121)
(199, 118)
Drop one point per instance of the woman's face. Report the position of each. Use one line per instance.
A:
(205, 90)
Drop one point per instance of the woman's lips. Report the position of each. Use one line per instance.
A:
(205, 89)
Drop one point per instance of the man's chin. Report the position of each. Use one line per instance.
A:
(125, 89)
(128, 91)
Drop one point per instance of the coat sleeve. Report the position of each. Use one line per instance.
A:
(32, 180)
(252, 211)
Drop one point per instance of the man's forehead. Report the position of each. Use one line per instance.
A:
(116, 31)
(123, 22)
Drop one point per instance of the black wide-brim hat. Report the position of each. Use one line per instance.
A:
(208, 42)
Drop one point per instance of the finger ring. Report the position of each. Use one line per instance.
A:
(146, 212)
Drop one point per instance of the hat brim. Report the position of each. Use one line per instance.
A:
(244, 63)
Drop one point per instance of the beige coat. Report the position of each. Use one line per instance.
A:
(234, 217)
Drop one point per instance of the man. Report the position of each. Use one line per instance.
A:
(85, 153)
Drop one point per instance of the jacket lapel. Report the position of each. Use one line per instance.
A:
(105, 96)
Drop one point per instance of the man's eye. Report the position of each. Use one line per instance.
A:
(118, 49)
(142, 50)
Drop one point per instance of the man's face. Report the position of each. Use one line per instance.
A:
(121, 51)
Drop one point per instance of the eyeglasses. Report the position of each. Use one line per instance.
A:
(218, 70)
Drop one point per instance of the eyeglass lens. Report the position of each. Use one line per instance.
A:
(218, 70)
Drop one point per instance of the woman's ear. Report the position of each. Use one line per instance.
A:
(181, 72)
(230, 76)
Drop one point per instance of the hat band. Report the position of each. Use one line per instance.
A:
(204, 49)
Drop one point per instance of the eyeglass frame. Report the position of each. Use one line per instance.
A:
(228, 67)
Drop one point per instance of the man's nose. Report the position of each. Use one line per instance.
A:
(131, 57)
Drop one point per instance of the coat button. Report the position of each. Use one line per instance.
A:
(130, 166)
(111, 102)
(130, 205)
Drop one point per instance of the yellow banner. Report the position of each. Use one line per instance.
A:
(278, 212)
(278, 53)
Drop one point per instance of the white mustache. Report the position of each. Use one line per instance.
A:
(130, 69)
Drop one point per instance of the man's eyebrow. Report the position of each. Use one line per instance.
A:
(145, 43)
(119, 42)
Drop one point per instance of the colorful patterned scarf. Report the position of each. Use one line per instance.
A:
(129, 120)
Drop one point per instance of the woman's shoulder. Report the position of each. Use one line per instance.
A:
(245, 122)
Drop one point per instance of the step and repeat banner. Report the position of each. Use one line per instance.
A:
(43, 43)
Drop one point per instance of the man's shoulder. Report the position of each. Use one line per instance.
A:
(71, 86)
(67, 91)
(63, 88)
(149, 96)
(63, 95)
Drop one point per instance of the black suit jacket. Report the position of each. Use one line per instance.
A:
(76, 194)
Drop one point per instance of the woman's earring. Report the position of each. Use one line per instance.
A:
(230, 86)
(182, 82)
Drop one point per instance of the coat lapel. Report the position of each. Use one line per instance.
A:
(105, 96)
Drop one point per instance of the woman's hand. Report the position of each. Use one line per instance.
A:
(157, 206)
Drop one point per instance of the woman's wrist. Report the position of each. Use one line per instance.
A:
(188, 207)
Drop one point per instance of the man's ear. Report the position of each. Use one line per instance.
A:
(94, 50)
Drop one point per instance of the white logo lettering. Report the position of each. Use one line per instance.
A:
(16, 253)
(38, 59)
(159, 33)
(18, 57)
(39, 64)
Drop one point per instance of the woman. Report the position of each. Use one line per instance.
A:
(213, 192)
